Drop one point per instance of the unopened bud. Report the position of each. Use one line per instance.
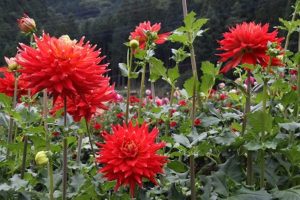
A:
(27, 24)
(134, 44)
(41, 158)
(12, 64)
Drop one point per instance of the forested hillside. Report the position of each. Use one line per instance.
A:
(108, 22)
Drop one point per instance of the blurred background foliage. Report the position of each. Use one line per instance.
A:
(108, 23)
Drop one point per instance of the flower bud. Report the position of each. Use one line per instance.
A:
(12, 64)
(41, 158)
(134, 44)
(27, 24)
(67, 40)
(221, 85)
(148, 92)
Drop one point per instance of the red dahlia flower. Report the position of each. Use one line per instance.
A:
(64, 66)
(130, 154)
(7, 83)
(145, 32)
(88, 106)
(247, 44)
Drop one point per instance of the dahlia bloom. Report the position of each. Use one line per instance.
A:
(247, 44)
(88, 106)
(7, 83)
(130, 154)
(145, 32)
(64, 66)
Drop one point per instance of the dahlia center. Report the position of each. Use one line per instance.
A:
(129, 149)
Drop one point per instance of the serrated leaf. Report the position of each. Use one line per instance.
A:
(260, 122)
(179, 37)
(173, 74)
(157, 69)
(189, 20)
(209, 68)
(189, 86)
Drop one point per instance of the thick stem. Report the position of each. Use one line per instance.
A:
(262, 168)
(25, 140)
(193, 109)
(192, 178)
(65, 151)
(142, 90)
(129, 63)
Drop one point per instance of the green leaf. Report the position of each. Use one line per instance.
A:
(289, 194)
(177, 166)
(17, 182)
(77, 181)
(245, 194)
(260, 122)
(253, 146)
(5, 101)
(209, 68)
(157, 69)
(189, 85)
(197, 25)
(124, 69)
(173, 74)
(209, 121)
(189, 20)
(207, 82)
(289, 98)
(181, 139)
(179, 37)
(292, 126)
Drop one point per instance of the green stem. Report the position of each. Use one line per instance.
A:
(90, 140)
(79, 149)
(129, 63)
(142, 89)
(246, 111)
(25, 140)
(296, 112)
(48, 144)
(193, 109)
(262, 151)
(65, 151)
(11, 119)
(287, 40)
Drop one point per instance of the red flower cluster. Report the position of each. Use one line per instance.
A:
(89, 105)
(7, 83)
(247, 43)
(64, 66)
(145, 32)
(130, 154)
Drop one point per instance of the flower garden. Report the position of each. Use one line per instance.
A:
(229, 132)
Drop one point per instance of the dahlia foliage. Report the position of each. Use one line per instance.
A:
(129, 154)
(144, 32)
(247, 43)
(65, 67)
